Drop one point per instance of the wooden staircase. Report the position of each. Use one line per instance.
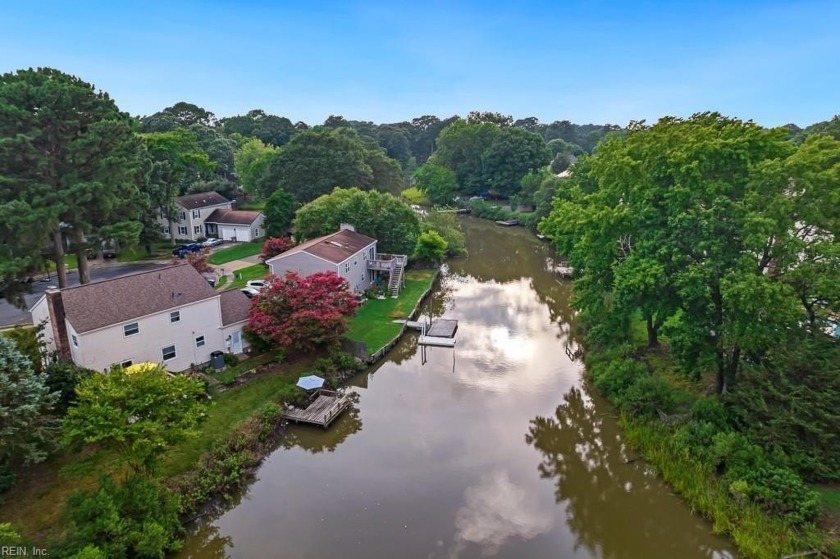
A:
(396, 278)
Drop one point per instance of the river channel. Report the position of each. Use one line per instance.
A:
(494, 449)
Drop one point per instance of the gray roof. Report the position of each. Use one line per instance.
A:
(235, 306)
(201, 200)
(105, 303)
(233, 217)
(335, 247)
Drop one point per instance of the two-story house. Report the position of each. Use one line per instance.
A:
(349, 254)
(234, 225)
(170, 315)
(192, 211)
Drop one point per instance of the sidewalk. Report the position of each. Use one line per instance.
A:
(229, 268)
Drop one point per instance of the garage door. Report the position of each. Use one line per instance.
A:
(228, 233)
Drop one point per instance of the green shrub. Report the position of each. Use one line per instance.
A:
(138, 518)
(231, 359)
(648, 395)
(711, 410)
(614, 378)
(781, 492)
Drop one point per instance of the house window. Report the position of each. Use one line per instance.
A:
(371, 253)
(182, 216)
(126, 363)
(162, 214)
(131, 329)
(256, 232)
(354, 260)
(196, 214)
(199, 341)
(166, 230)
(182, 229)
(175, 316)
(197, 229)
(75, 340)
(347, 266)
(169, 352)
(363, 276)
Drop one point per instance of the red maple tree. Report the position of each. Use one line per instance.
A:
(198, 260)
(274, 246)
(302, 313)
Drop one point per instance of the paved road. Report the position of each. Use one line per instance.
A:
(10, 315)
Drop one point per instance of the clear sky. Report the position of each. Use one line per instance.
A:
(585, 61)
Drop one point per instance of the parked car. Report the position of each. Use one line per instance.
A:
(186, 248)
(250, 291)
(259, 284)
(211, 242)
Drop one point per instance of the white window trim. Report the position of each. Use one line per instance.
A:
(197, 229)
(75, 340)
(202, 340)
(126, 335)
(174, 351)
(174, 317)
(182, 230)
(196, 214)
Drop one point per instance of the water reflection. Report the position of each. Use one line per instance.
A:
(208, 543)
(613, 508)
(496, 510)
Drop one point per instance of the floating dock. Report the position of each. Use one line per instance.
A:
(323, 411)
(436, 341)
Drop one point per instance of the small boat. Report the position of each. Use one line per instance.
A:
(565, 271)
(508, 222)
(542, 237)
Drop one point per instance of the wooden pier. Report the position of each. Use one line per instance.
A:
(327, 406)
(436, 341)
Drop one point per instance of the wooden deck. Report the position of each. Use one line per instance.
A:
(326, 407)
(442, 328)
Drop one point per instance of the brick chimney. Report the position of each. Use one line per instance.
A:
(55, 305)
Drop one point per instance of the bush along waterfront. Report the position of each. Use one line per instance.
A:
(707, 273)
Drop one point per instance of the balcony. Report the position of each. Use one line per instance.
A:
(386, 262)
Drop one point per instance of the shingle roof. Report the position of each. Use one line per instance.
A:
(109, 302)
(232, 217)
(235, 306)
(335, 247)
(201, 200)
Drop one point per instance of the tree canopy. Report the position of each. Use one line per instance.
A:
(68, 164)
(139, 412)
(303, 313)
(696, 224)
(375, 214)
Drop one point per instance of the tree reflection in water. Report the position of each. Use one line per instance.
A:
(613, 508)
(207, 543)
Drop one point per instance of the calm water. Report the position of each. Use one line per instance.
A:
(495, 449)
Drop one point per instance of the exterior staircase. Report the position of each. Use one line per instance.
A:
(396, 279)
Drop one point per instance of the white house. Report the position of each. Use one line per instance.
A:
(170, 316)
(193, 210)
(349, 254)
(234, 225)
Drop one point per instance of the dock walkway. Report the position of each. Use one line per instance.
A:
(323, 411)
(442, 328)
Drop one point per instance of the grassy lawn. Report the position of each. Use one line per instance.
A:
(252, 206)
(831, 498)
(373, 322)
(242, 275)
(229, 373)
(236, 252)
(160, 251)
(231, 407)
(221, 282)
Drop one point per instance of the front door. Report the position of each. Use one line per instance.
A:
(236, 342)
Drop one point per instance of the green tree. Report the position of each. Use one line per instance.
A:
(430, 247)
(138, 518)
(251, 161)
(379, 215)
(437, 182)
(69, 160)
(685, 222)
(140, 413)
(316, 161)
(446, 225)
(269, 129)
(25, 405)
(279, 213)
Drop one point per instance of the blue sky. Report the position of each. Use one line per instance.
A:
(588, 62)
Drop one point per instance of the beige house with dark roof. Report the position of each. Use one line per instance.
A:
(193, 210)
(170, 316)
(234, 225)
(349, 254)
